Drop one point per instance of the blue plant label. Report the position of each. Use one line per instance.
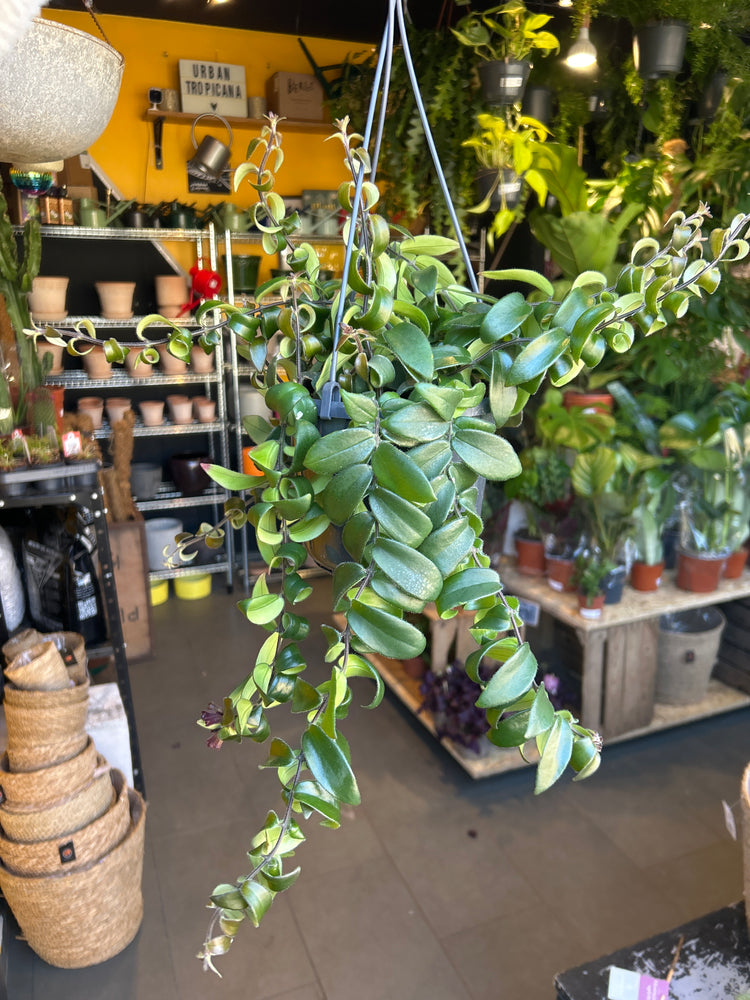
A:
(529, 612)
(625, 984)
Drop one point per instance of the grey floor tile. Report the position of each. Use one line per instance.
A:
(369, 940)
(515, 956)
(264, 960)
(311, 992)
(702, 881)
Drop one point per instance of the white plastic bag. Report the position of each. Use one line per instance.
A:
(11, 586)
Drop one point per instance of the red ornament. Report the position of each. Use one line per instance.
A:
(205, 284)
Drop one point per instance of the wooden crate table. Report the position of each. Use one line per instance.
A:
(618, 668)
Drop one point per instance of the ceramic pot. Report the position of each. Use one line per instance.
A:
(96, 364)
(160, 534)
(697, 572)
(116, 298)
(180, 409)
(200, 361)
(152, 412)
(171, 294)
(169, 364)
(590, 607)
(530, 552)
(188, 476)
(244, 271)
(44, 347)
(137, 368)
(560, 573)
(145, 479)
(645, 577)
(205, 409)
(116, 407)
(596, 402)
(47, 299)
(735, 564)
(93, 406)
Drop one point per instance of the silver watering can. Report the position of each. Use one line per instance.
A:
(211, 157)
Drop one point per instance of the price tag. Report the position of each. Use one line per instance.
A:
(627, 985)
(71, 444)
(729, 822)
(529, 612)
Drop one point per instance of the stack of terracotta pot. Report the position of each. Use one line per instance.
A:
(71, 831)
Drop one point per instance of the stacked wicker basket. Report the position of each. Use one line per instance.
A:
(71, 838)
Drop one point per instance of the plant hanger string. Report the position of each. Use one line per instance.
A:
(330, 395)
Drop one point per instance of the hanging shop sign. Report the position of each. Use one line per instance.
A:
(212, 86)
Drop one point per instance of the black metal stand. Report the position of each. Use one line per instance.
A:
(77, 484)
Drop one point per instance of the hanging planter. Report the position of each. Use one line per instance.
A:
(506, 191)
(659, 48)
(537, 103)
(504, 81)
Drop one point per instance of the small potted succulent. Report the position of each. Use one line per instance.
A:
(504, 38)
(589, 575)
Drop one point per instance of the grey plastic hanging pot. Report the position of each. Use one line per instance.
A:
(211, 157)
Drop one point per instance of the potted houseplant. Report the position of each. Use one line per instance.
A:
(588, 578)
(649, 517)
(505, 147)
(378, 443)
(543, 483)
(504, 37)
(451, 699)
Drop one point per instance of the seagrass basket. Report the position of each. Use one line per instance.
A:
(31, 726)
(745, 799)
(72, 648)
(19, 698)
(45, 754)
(48, 784)
(21, 640)
(38, 668)
(74, 919)
(64, 816)
(72, 851)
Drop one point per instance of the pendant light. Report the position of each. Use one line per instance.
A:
(582, 53)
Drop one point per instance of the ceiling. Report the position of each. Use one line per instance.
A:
(340, 19)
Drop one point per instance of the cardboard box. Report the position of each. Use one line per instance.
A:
(298, 96)
(49, 210)
(74, 175)
(127, 543)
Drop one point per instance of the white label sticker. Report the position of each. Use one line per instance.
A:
(729, 820)
(529, 612)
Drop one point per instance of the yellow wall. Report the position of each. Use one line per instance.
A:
(152, 49)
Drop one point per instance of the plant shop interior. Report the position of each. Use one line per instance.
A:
(375, 394)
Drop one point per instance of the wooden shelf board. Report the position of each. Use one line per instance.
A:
(287, 124)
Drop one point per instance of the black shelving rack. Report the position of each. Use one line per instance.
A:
(76, 484)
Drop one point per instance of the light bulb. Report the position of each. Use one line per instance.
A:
(582, 53)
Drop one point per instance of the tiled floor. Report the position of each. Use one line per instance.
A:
(437, 887)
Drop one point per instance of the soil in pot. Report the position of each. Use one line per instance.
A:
(530, 552)
(645, 577)
(698, 573)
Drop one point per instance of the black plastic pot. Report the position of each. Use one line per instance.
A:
(503, 81)
(711, 99)
(537, 103)
(509, 187)
(659, 48)
(613, 585)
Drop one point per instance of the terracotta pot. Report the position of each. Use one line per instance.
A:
(93, 406)
(171, 294)
(152, 412)
(205, 409)
(117, 407)
(96, 364)
(596, 402)
(698, 573)
(645, 577)
(44, 347)
(415, 667)
(170, 365)
(530, 552)
(560, 573)
(180, 408)
(200, 361)
(735, 564)
(47, 299)
(116, 298)
(590, 607)
(136, 368)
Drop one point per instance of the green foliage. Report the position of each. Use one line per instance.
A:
(515, 34)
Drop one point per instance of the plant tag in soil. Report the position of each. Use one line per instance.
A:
(627, 985)
(529, 612)
(729, 822)
(71, 444)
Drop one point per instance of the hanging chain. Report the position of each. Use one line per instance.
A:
(89, 5)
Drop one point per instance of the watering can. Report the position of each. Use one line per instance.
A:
(211, 157)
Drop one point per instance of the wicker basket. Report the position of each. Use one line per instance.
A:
(72, 648)
(63, 817)
(74, 919)
(79, 850)
(19, 698)
(745, 799)
(48, 784)
(45, 754)
(21, 641)
(28, 727)
(38, 668)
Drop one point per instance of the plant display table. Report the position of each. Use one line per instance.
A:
(618, 668)
(713, 960)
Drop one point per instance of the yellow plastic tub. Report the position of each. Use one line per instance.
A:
(159, 592)
(193, 586)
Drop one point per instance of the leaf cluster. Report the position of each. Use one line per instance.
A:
(506, 31)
